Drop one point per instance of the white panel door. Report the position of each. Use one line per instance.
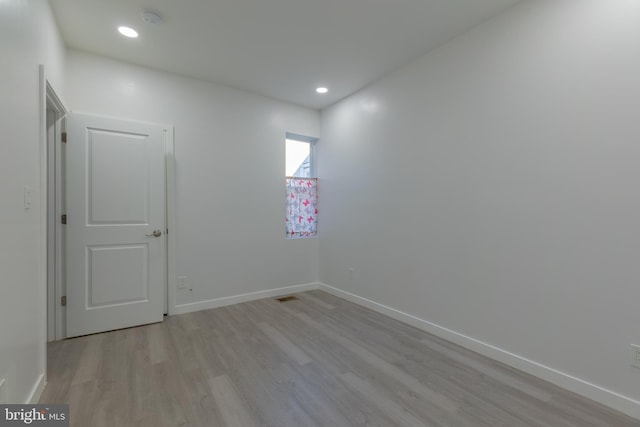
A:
(115, 181)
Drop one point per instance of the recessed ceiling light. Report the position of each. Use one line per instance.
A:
(322, 90)
(128, 32)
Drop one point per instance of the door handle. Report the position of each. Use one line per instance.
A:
(156, 233)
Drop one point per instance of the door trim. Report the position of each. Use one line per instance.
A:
(170, 215)
(49, 167)
(53, 208)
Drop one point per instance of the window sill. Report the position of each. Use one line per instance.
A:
(301, 237)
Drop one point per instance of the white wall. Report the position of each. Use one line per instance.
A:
(229, 172)
(28, 37)
(492, 187)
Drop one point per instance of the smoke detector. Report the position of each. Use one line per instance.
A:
(151, 17)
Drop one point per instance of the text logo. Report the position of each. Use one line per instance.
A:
(34, 415)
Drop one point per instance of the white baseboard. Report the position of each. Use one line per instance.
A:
(236, 299)
(599, 394)
(38, 388)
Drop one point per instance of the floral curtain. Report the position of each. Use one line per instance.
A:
(302, 207)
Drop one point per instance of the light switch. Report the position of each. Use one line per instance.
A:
(635, 355)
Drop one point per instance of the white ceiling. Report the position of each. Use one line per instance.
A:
(279, 48)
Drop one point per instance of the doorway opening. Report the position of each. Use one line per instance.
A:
(54, 123)
(52, 202)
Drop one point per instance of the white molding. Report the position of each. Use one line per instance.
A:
(170, 220)
(54, 99)
(54, 165)
(584, 388)
(42, 243)
(60, 285)
(37, 390)
(236, 299)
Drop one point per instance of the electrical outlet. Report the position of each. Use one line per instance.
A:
(351, 273)
(27, 197)
(635, 355)
(183, 282)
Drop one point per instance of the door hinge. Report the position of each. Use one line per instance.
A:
(63, 137)
(63, 219)
(63, 301)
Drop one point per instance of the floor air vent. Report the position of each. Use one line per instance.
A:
(285, 299)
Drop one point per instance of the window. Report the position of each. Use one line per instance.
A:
(299, 158)
(301, 187)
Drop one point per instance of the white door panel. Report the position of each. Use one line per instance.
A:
(117, 275)
(117, 194)
(115, 200)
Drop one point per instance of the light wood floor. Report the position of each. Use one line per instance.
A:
(316, 361)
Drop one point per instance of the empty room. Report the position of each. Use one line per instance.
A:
(320, 213)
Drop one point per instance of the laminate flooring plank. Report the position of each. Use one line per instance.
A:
(498, 399)
(387, 344)
(282, 342)
(271, 398)
(235, 412)
(438, 405)
(81, 399)
(499, 391)
(331, 361)
(357, 364)
(308, 296)
(202, 408)
(385, 367)
(356, 409)
(90, 360)
(316, 401)
(377, 331)
(496, 376)
(398, 413)
(488, 370)
(281, 381)
(171, 397)
(140, 388)
(216, 336)
(206, 356)
(589, 414)
(483, 414)
(152, 420)
(334, 358)
(61, 369)
(247, 362)
(157, 343)
(180, 341)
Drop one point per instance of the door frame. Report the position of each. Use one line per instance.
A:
(51, 198)
(51, 215)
